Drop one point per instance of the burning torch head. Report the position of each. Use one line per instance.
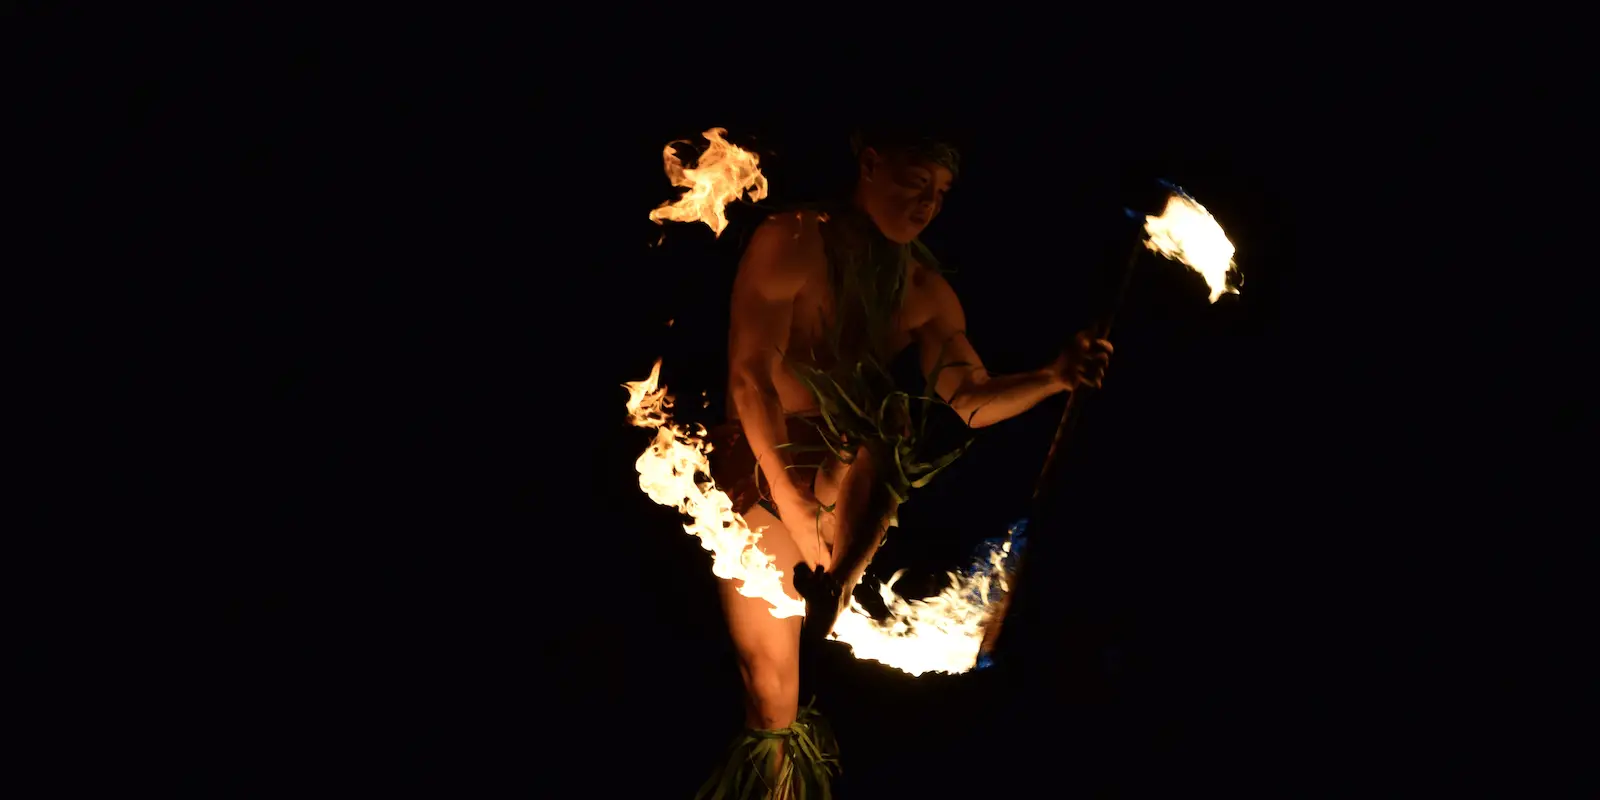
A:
(1184, 231)
(902, 179)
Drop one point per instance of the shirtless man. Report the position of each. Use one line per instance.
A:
(782, 299)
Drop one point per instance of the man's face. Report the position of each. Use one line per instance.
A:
(902, 193)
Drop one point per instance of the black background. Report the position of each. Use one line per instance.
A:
(376, 283)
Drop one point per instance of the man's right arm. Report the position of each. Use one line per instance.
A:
(771, 274)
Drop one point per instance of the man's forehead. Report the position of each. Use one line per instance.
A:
(918, 161)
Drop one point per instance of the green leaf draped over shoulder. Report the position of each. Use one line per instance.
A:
(848, 370)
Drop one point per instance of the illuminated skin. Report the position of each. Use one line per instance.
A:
(780, 299)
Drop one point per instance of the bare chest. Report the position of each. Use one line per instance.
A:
(816, 304)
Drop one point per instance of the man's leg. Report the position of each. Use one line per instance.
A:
(768, 647)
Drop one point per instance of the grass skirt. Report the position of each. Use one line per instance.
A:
(810, 760)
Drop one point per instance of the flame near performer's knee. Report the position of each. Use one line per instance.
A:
(935, 634)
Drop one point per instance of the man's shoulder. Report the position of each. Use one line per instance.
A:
(929, 280)
(793, 237)
(931, 297)
(798, 224)
(784, 251)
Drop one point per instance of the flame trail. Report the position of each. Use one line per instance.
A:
(670, 472)
(937, 634)
(942, 633)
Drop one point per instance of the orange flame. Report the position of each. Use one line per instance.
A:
(942, 633)
(722, 173)
(670, 472)
(1186, 232)
(936, 634)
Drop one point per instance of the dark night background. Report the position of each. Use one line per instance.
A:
(391, 277)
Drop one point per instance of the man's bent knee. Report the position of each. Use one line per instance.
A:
(774, 689)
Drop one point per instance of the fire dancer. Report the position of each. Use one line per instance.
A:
(825, 299)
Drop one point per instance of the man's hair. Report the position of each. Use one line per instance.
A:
(903, 140)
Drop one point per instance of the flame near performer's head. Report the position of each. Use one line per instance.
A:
(722, 173)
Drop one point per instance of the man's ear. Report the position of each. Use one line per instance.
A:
(870, 161)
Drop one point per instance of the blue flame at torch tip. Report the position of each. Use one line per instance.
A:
(1016, 535)
(1165, 184)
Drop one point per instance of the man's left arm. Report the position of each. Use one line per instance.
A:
(983, 399)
